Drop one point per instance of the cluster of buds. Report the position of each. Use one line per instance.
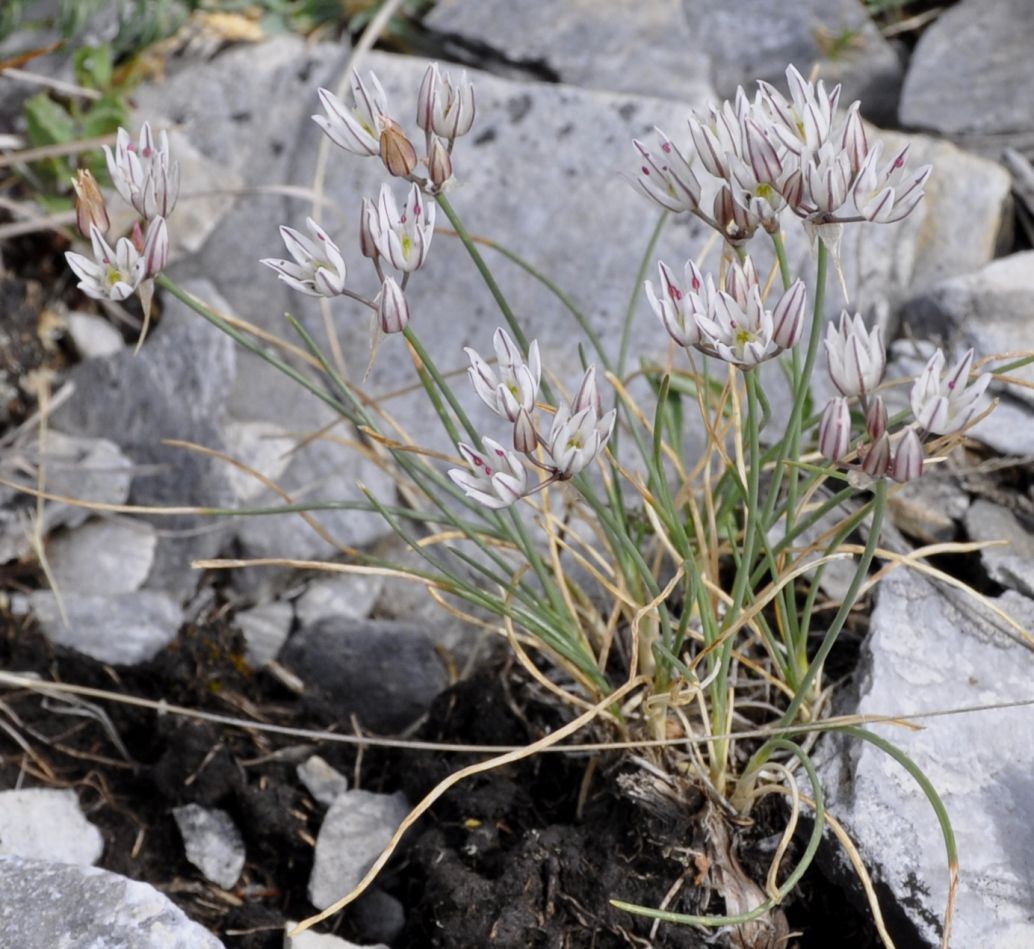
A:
(731, 324)
(578, 432)
(942, 403)
(145, 176)
(773, 153)
(445, 111)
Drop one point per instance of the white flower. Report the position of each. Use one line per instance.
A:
(114, 273)
(805, 120)
(677, 309)
(144, 174)
(856, 356)
(668, 177)
(319, 268)
(945, 402)
(498, 478)
(515, 387)
(358, 129)
(403, 238)
(578, 433)
(890, 193)
(443, 108)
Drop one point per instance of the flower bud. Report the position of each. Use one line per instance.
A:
(397, 151)
(835, 429)
(439, 164)
(89, 204)
(392, 307)
(877, 457)
(156, 247)
(876, 418)
(908, 459)
(367, 219)
(788, 316)
(588, 394)
(525, 438)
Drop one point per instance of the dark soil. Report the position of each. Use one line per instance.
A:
(503, 860)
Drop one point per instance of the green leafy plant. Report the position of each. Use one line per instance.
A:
(665, 594)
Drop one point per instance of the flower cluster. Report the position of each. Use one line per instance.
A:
(733, 323)
(942, 403)
(773, 153)
(578, 431)
(145, 176)
(388, 235)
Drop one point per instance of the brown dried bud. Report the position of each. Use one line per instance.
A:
(89, 204)
(397, 151)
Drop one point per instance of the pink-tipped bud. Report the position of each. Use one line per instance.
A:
(90, 208)
(788, 316)
(908, 459)
(876, 419)
(367, 219)
(439, 164)
(525, 439)
(588, 394)
(392, 307)
(877, 457)
(156, 247)
(835, 430)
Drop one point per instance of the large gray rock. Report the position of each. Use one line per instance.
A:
(87, 469)
(757, 39)
(47, 824)
(385, 673)
(1011, 565)
(175, 388)
(982, 98)
(61, 906)
(619, 45)
(987, 310)
(931, 650)
(356, 829)
(124, 630)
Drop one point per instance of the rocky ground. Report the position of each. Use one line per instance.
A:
(232, 831)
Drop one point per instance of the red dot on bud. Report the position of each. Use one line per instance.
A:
(666, 147)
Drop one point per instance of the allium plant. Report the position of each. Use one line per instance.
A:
(695, 586)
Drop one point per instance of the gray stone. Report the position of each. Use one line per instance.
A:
(87, 469)
(322, 781)
(122, 630)
(265, 629)
(212, 842)
(931, 507)
(378, 916)
(263, 446)
(929, 650)
(47, 824)
(207, 193)
(757, 39)
(356, 829)
(987, 310)
(385, 673)
(102, 557)
(618, 45)
(982, 98)
(1012, 565)
(175, 388)
(60, 906)
(314, 940)
(93, 336)
(338, 595)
